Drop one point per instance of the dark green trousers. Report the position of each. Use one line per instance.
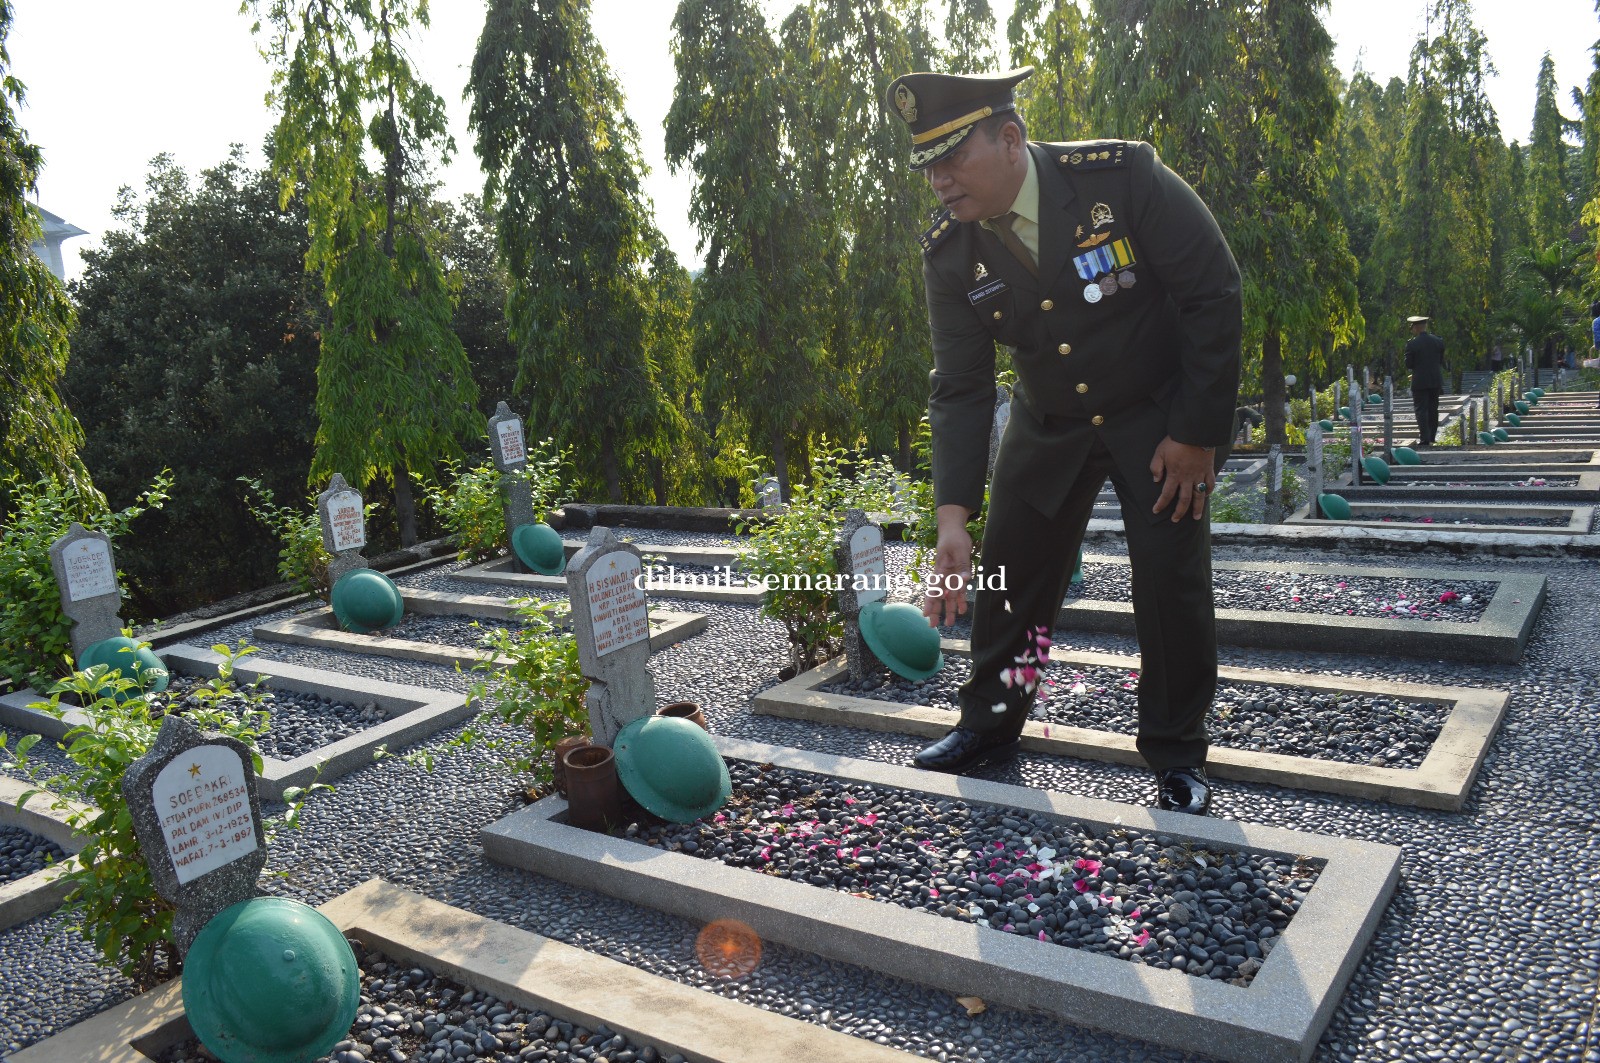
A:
(1173, 611)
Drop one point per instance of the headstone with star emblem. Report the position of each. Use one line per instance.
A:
(611, 623)
(858, 552)
(344, 527)
(509, 451)
(196, 810)
(86, 576)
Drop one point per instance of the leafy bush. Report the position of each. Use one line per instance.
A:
(302, 560)
(473, 507)
(1230, 506)
(922, 528)
(111, 894)
(35, 634)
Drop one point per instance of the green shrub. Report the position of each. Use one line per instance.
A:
(1230, 506)
(472, 508)
(302, 560)
(111, 895)
(922, 529)
(35, 635)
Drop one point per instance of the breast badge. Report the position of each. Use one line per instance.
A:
(1100, 216)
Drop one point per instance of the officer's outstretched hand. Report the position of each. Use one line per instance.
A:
(1186, 474)
(946, 596)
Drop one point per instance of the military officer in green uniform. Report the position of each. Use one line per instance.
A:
(1113, 286)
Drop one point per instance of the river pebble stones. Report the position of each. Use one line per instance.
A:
(298, 722)
(412, 1015)
(1345, 726)
(23, 852)
(1138, 897)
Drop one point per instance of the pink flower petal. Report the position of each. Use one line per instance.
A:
(1143, 939)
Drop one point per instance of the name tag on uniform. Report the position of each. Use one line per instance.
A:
(978, 295)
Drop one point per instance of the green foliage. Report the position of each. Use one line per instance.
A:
(922, 526)
(542, 690)
(39, 437)
(302, 559)
(472, 508)
(1054, 39)
(1549, 216)
(34, 633)
(111, 895)
(792, 551)
(1229, 505)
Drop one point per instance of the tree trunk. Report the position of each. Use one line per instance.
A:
(780, 458)
(905, 449)
(1273, 390)
(405, 507)
(658, 478)
(608, 464)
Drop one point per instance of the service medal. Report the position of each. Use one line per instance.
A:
(1108, 285)
(1126, 278)
(1092, 293)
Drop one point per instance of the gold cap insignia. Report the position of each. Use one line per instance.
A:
(1100, 215)
(907, 102)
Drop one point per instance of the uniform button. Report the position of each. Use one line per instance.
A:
(1083, 389)
(1097, 420)
(1065, 348)
(1048, 304)
(997, 315)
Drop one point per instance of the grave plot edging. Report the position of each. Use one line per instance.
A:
(500, 571)
(514, 965)
(1278, 1017)
(1442, 781)
(23, 898)
(1499, 635)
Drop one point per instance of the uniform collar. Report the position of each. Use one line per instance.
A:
(1026, 205)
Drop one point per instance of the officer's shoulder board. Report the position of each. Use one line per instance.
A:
(944, 223)
(1092, 154)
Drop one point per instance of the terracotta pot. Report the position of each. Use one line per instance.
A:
(559, 772)
(685, 710)
(594, 796)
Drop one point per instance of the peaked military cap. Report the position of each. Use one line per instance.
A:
(1417, 320)
(941, 109)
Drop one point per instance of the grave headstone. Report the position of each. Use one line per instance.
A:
(611, 623)
(770, 494)
(1002, 416)
(1355, 444)
(1314, 468)
(86, 576)
(344, 527)
(1388, 416)
(863, 578)
(1314, 417)
(1274, 512)
(508, 449)
(1338, 392)
(196, 810)
(1366, 379)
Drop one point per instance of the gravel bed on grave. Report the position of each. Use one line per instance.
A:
(23, 852)
(1352, 728)
(1138, 897)
(412, 1015)
(1498, 522)
(1476, 959)
(298, 722)
(1403, 597)
(454, 629)
(1532, 483)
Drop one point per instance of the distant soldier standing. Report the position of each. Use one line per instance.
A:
(1425, 360)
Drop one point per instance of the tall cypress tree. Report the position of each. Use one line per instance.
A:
(39, 437)
(562, 175)
(1549, 216)
(394, 390)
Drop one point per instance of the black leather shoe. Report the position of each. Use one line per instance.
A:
(1183, 790)
(963, 749)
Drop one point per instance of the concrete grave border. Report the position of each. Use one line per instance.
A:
(1442, 780)
(414, 713)
(734, 589)
(1278, 1017)
(1365, 514)
(320, 628)
(32, 895)
(1498, 636)
(514, 965)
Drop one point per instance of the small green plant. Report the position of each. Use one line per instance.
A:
(302, 559)
(1228, 506)
(473, 507)
(111, 894)
(542, 691)
(34, 633)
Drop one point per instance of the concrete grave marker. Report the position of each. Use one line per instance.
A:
(1314, 469)
(611, 622)
(1388, 416)
(858, 552)
(769, 495)
(509, 451)
(1274, 511)
(196, 809)
(1002, 417)
(86, 575)
(344, 527)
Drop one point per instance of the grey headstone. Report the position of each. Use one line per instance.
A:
(611, 622)
(769, 493)
(1355, 451)
(86, 575)
(1388, 416)
(1314, 417)
(1002, 417)
(508, 449)
(1274, 513)
(344, 527)
(859, 552)
(196, 810)
(1338, 390)
(1314, 468)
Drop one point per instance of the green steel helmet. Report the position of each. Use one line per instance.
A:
(1538, 392)
(1344, 411)
(902, 638)
(1406, 456)
(1487, 439)
(1327, 425)
(365, 600)
(270, 980)
(1501, 434)
(1513, 419)
(1376, 468)
(1374, 397)
(1333, 507)
(671, 766)
(132, 660)
(539, 547)
(1523, 406)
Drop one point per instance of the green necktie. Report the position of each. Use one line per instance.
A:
(1013, 242)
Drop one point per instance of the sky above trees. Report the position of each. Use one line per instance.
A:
(109, 87)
